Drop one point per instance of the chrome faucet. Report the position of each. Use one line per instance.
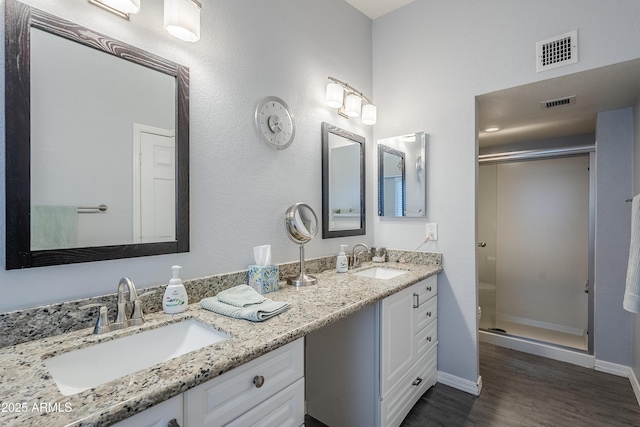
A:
(122, 320)
(356, 256)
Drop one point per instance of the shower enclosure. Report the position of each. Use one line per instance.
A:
(533, 255)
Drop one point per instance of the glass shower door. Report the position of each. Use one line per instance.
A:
(486, 250)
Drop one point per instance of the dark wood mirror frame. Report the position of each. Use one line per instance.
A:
(19, 19)
(326, 232)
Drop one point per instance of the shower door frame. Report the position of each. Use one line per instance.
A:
(524, 155)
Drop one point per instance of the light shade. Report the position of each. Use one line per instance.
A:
(352, 105)
(182, 19)
(125, 6)
(334, 95)
(369, 114)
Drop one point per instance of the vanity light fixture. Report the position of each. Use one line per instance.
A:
(351, 104)
(182, 19)
(121, 8)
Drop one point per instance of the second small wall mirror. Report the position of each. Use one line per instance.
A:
(401, 177)
(343, 183)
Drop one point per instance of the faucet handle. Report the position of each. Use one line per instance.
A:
(102, 324)
(137, 315)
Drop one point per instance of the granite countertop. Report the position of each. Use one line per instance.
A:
(30, 397)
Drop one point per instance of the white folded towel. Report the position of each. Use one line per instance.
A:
(632, 291)
(242, 303)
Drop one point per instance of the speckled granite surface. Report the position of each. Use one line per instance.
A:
(24, 380)
(61, 318)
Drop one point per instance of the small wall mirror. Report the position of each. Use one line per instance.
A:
(97, 145)
(343, 183)
(401, 179)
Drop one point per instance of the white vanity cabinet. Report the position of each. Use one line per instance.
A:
(370, 368)
(267, 391)
(408, 362)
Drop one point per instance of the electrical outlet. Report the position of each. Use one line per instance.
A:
(432, 231)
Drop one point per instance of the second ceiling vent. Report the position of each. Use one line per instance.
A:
(557, 51)
(567, 100)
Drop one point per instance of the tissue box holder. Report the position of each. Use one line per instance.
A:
(264, 279)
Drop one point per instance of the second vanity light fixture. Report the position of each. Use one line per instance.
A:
(351, 104)
(181, 17)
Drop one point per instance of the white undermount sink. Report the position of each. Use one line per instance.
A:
(88, 367)
(382, 273)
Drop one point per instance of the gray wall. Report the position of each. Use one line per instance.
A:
(240, 188)
(431, 59)
(635, 363)
(613, 325)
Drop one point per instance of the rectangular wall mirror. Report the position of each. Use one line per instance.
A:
(401, 179)
(343, 183)
(97, 145)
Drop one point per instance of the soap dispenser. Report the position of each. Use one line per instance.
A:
(175, 298)
(341, 264)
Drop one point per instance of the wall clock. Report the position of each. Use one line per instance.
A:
(275, 123)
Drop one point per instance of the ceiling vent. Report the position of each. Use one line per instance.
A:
(552, 103)
(557, 51)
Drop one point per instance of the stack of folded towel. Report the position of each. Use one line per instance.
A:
(243, 302)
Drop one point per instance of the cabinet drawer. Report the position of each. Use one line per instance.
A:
(398, 402)
(426, 288)
(425, 313)
(226, 397)
(156, 416)
(427, 338)
(285, 409)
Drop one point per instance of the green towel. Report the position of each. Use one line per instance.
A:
(240, 296)
(254, 312)
(53, 227)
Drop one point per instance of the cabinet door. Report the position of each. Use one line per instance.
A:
(397, 338)
(156, 416)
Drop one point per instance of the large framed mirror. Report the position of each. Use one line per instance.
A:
(97, 145)
(343, 183)
(401, 176)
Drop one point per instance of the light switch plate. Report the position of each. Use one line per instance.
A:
(432, 231)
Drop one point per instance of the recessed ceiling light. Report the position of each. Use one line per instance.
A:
(492, 129)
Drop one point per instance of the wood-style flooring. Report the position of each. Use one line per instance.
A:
(523, 390)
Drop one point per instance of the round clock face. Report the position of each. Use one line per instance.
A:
(275, 122)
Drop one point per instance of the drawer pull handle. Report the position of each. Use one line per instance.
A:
(173, 423)
(428, 288)
(429, 313)
(417, 381)
(429, 339)
(258, 380)
(416, 304)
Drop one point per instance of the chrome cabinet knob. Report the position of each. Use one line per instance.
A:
(258, 381)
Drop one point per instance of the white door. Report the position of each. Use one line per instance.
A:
(155, 186)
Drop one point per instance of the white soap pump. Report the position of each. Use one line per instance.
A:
(175, 298)
(341, 263)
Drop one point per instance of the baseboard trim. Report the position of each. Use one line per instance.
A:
(634, 384)
(539, 349)
(460, 383)
(612, 368)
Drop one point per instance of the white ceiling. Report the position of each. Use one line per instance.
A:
(518, 113)
(376, 8)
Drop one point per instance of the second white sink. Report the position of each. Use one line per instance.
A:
(88, 367)
(382, 273)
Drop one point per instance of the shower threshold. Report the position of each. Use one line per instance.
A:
(504, 333)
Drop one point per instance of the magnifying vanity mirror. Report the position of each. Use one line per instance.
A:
(301, 224)
(97, 145)
(343, 183)
(401, 182)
